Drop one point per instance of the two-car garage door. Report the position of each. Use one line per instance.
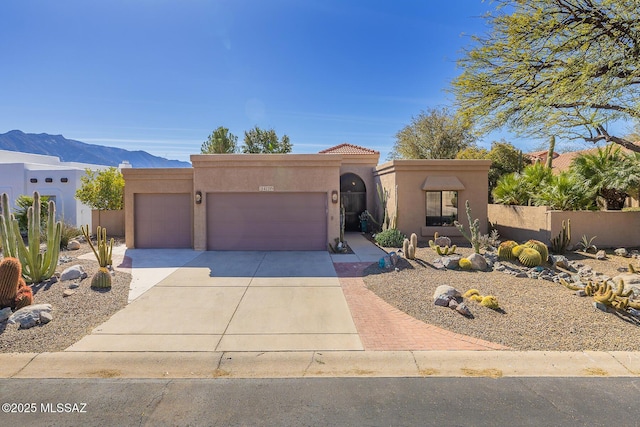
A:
(266, 221)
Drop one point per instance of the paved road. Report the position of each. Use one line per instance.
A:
(326, 401)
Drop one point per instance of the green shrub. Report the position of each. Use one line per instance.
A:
(68, 232)
(23, 203)
(391, 238)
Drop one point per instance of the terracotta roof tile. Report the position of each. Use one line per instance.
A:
(348, 149)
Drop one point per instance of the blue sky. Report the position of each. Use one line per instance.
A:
(160, 75)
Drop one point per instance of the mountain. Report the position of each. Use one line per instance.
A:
(69, 150)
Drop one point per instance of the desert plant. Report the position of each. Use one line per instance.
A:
(391, 238)
(505, 249)
(23, 203)
(517, 250)
(490, 240)
(540, 247)
(470, 293)
(560, 243)
(414, 240)
(36, 266)
(104, 250)
(490, 301)
(441, 250)
(14, 292)
(102, 279)
(102, 190)
(473, 236)
(587, 244)
(67, 233)
(465, 264)
(408, 249)
(530, 257)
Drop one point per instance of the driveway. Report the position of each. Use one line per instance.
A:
(231, 301)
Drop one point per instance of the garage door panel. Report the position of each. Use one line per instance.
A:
(163, 220)
(266, 221)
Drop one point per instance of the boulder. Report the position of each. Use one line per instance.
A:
(463, 309)
(442, 300)
(5, 313)
(451, 262)
(621, 252)
(29, 316)
(559, 261)
(442, 241)
(601, 255)
(477, 262)
(447, 290)
(73, 273)
(73, 245)
(453, 303)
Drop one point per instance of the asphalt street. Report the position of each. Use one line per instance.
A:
(322, 401)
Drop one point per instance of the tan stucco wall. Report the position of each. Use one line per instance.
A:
(410, 175)
(151, 181)
(113, 221)
(255, 172)
(519, 223)
(363, 166)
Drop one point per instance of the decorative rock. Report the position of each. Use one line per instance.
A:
(394, 258)
(74, 285)
(463, 309)
(442, 301)
(443, 241)
(600, 306)
(447, 290)
(634, 312)
(68, 292)
(451, 262)
(581, 293)
(73, 273)
(5, 313)
(45, 317)
(499, 267)
(559, 261)
(601, 255)
(453, 303)
(585, 271)
(73, 245)
(631, 281)
(29, 316)
(621, 252)
(477, 262)
(521, 274)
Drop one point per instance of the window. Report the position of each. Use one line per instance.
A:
(442, 208)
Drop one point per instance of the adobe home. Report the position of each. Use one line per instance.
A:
(292, 201)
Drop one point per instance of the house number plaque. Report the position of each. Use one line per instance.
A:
(266, 188)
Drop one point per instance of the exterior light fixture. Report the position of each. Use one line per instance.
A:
(334, 196)
(198, 197)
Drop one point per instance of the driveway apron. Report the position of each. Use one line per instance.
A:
(235, 301)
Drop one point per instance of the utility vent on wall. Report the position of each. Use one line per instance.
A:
(48, 180)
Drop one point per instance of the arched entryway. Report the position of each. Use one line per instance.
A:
(353, 195)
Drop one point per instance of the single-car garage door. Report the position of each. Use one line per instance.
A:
(267, 221)
(163, 220)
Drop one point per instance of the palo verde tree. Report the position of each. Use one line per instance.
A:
(433, 134)
(258, 141)
(102, 190)
(554, 67)
(221, 141)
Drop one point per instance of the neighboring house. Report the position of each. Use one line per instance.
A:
(24, 173)
(292, 201)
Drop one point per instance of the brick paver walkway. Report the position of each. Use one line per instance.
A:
(384, 327)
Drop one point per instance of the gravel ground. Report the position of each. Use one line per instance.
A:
(73, 316)
(534, 315)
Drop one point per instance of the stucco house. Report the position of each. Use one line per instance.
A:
(292, 201)
(24, 173)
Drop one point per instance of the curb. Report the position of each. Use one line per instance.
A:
(306, 364)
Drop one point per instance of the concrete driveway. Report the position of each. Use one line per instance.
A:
(230, 301)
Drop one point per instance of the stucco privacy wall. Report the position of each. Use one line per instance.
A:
(410, 177)
(612, 228)
(252, 173)
(151, 181)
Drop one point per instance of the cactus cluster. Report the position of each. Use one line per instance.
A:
(441, 250)
(102, 279)
(409, 246)
(560, 243)
(540, 247)
(14, 292)
(473, 236)
(529, 257)
(604, 293)
(488, 301)
(505, 250)
(36, 266)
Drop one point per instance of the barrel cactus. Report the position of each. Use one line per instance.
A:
(517, 250)
(102, 279)
(505, 250)
(540, 247)
(530, 257)
(10, 275)
(490, 301)
(465, 264)
(24, 296)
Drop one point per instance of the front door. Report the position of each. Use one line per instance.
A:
(353, 196)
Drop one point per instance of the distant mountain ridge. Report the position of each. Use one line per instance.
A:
(69, 150)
